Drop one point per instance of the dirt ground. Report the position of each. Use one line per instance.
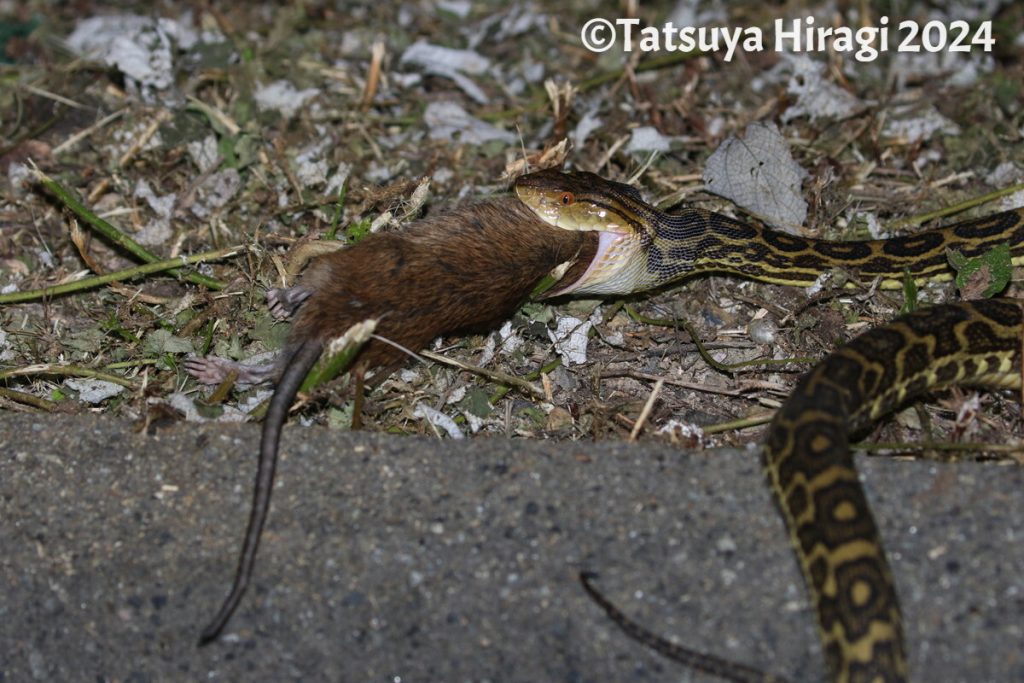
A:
(235, 133)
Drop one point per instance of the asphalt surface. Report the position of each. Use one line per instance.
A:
(403, 560)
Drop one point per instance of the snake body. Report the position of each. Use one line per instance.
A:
(806, 455)
(643, 248)
(811, 471)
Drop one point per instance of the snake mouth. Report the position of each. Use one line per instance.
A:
(607, 260)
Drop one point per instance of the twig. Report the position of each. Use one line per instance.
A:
(373, 77)
(66, 371)
(83, 134)
(147, 134)
(494, 375)
(543, 370)
(648, 407)
(956, 208)
(742, 423)
(168, 265)
(113, 234)
(52, 96)
(636, 374)
(28, 399)
(727, 368)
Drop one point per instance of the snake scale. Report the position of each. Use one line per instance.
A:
(806, 454)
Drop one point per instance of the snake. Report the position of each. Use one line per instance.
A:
(806, 455)
(642, 248)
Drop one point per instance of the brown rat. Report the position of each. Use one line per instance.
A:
(469, 269)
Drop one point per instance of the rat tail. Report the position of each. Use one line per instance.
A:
(296, 368)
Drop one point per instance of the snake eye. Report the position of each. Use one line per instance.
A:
(568, 198)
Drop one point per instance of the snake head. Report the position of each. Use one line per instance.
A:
(587, 202)
(579, 201)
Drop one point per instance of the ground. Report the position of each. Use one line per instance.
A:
(266, 127)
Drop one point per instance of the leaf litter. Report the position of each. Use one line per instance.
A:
(267, 125)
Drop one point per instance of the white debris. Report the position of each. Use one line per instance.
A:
(6, 351)
(570, 338)
(184, 404)
(283, 97)
(509, 342)
(138, 47)
(422, 53)
(918, 127)
(446, 119)
(648, 139)
(1012, 201)
(816, 96)
(449, 63)
(141, 48)
(762, 330)
(126, 138)
(818, 284)
(475, 423)
(682, 432)
(204, 153)
(93, 390)
(337, 180)
(157, 230)
(875, 226)
(216, 191)
(759, 174)
(455, 395)
(438, 419)
(588, 123)
(20, 177)
(459, 8)
(519, 19)
(1006, 173)
(310, 166)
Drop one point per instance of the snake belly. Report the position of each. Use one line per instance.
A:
(806, 455)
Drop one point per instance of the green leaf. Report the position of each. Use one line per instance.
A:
(909, 292)
(996, 265)
(341, 418)
(268, 331)
(339, 209)
(226, 149)
(159, 342)
(15, 29)
(357, 231)
(477, 402)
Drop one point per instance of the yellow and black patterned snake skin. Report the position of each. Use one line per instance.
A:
(806, 454)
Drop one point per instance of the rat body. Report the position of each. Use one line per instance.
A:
(469, 269)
